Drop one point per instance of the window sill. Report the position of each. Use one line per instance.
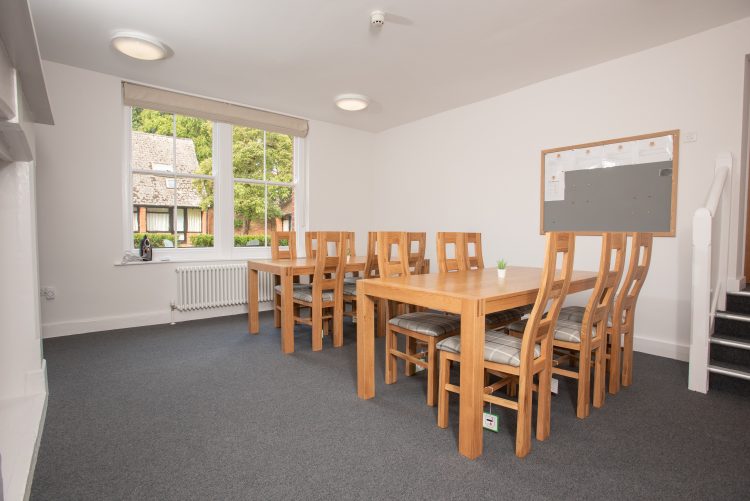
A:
(181, 261)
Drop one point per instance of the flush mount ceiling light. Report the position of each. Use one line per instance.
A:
(352, 102)
(140, 46)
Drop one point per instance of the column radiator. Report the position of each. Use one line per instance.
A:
(216, 285)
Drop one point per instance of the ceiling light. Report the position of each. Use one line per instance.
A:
(352, 102)
(140, 46)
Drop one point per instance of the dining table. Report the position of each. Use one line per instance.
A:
(472, 294)
(286, 270)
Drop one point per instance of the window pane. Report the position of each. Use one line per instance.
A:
(249, 215)
(180, 220)
(157, 220)
(195, 200)
(194, 220)
(136, 222)
(194, 145)
(151, 143)
(280, 207)
(247, 152)
(279, 157)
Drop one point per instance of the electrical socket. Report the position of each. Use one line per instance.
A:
(47, 292)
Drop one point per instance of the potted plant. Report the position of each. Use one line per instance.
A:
(501, 265)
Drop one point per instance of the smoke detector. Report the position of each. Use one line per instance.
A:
(377, 18)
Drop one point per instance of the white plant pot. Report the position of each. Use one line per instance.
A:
(501, 273)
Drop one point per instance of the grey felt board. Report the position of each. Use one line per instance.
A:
(624, 198)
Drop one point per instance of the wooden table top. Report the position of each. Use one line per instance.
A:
(477, 285)
(301, 265)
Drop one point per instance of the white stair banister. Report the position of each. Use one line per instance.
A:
(709, 270)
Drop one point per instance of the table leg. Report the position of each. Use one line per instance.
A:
(365, 346)
(276, 302)
(472, 380)
(253, 325)
(287, 314)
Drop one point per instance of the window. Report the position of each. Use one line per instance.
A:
(172, 175)
(263, 170)
(174, 181)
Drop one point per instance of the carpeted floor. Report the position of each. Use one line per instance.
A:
(202, 410)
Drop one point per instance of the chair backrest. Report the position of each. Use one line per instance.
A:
(463, 258)
(371, 263)
(311, 243)
(475, 261)
(444, 241)
(392, 264)
(416, 247)
(329, 262)
(540, 327)
(600, 302)
(277, 240)
(640, 260)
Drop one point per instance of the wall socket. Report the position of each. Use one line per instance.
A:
(47, 292)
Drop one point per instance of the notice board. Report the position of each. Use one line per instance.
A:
(625, 184)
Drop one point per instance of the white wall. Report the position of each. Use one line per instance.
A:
(80, 206)
(478, 167)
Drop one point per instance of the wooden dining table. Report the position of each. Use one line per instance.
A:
(471, 294)
(286, 270)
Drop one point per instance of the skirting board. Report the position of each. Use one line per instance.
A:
(661, 348)
(72, 327)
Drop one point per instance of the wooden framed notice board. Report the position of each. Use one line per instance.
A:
(626, 184)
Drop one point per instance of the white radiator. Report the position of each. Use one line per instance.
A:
(216, 285)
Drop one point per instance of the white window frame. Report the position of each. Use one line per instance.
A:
(223, 249)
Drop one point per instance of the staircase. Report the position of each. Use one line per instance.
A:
(730, 342)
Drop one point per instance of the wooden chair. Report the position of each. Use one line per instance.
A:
(311, 243)
(475, 260)
(624, 309)
(427, 327)
(324, 296)
(371, 271)
(464, 260)
(417, 246)
(277, 252)
(576, 342)
(513, 359)
(622, 314)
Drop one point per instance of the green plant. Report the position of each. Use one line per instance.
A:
(253, 240)
(157, 239)
(501, 264)
(202, 240)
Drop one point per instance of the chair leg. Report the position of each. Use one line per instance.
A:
(544, 403)
(432, 373)
(523, 427)
(584, 384)
(411, 348)
(615, 355)
(391, 363)
(276, 311)
(599, 375)
(317, 329)
(338, 325)
(445, 372)
(627, 359)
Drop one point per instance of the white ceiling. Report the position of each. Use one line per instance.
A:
(295, 56)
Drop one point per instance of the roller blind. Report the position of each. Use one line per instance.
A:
(218, 111)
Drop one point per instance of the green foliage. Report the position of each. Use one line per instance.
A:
(242, 240)
(202, 240)
(501, 264)
(157, 239)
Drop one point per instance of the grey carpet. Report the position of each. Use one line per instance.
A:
(202, 410)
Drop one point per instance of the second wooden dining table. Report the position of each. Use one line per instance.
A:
(472, 294)
(286, 270)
